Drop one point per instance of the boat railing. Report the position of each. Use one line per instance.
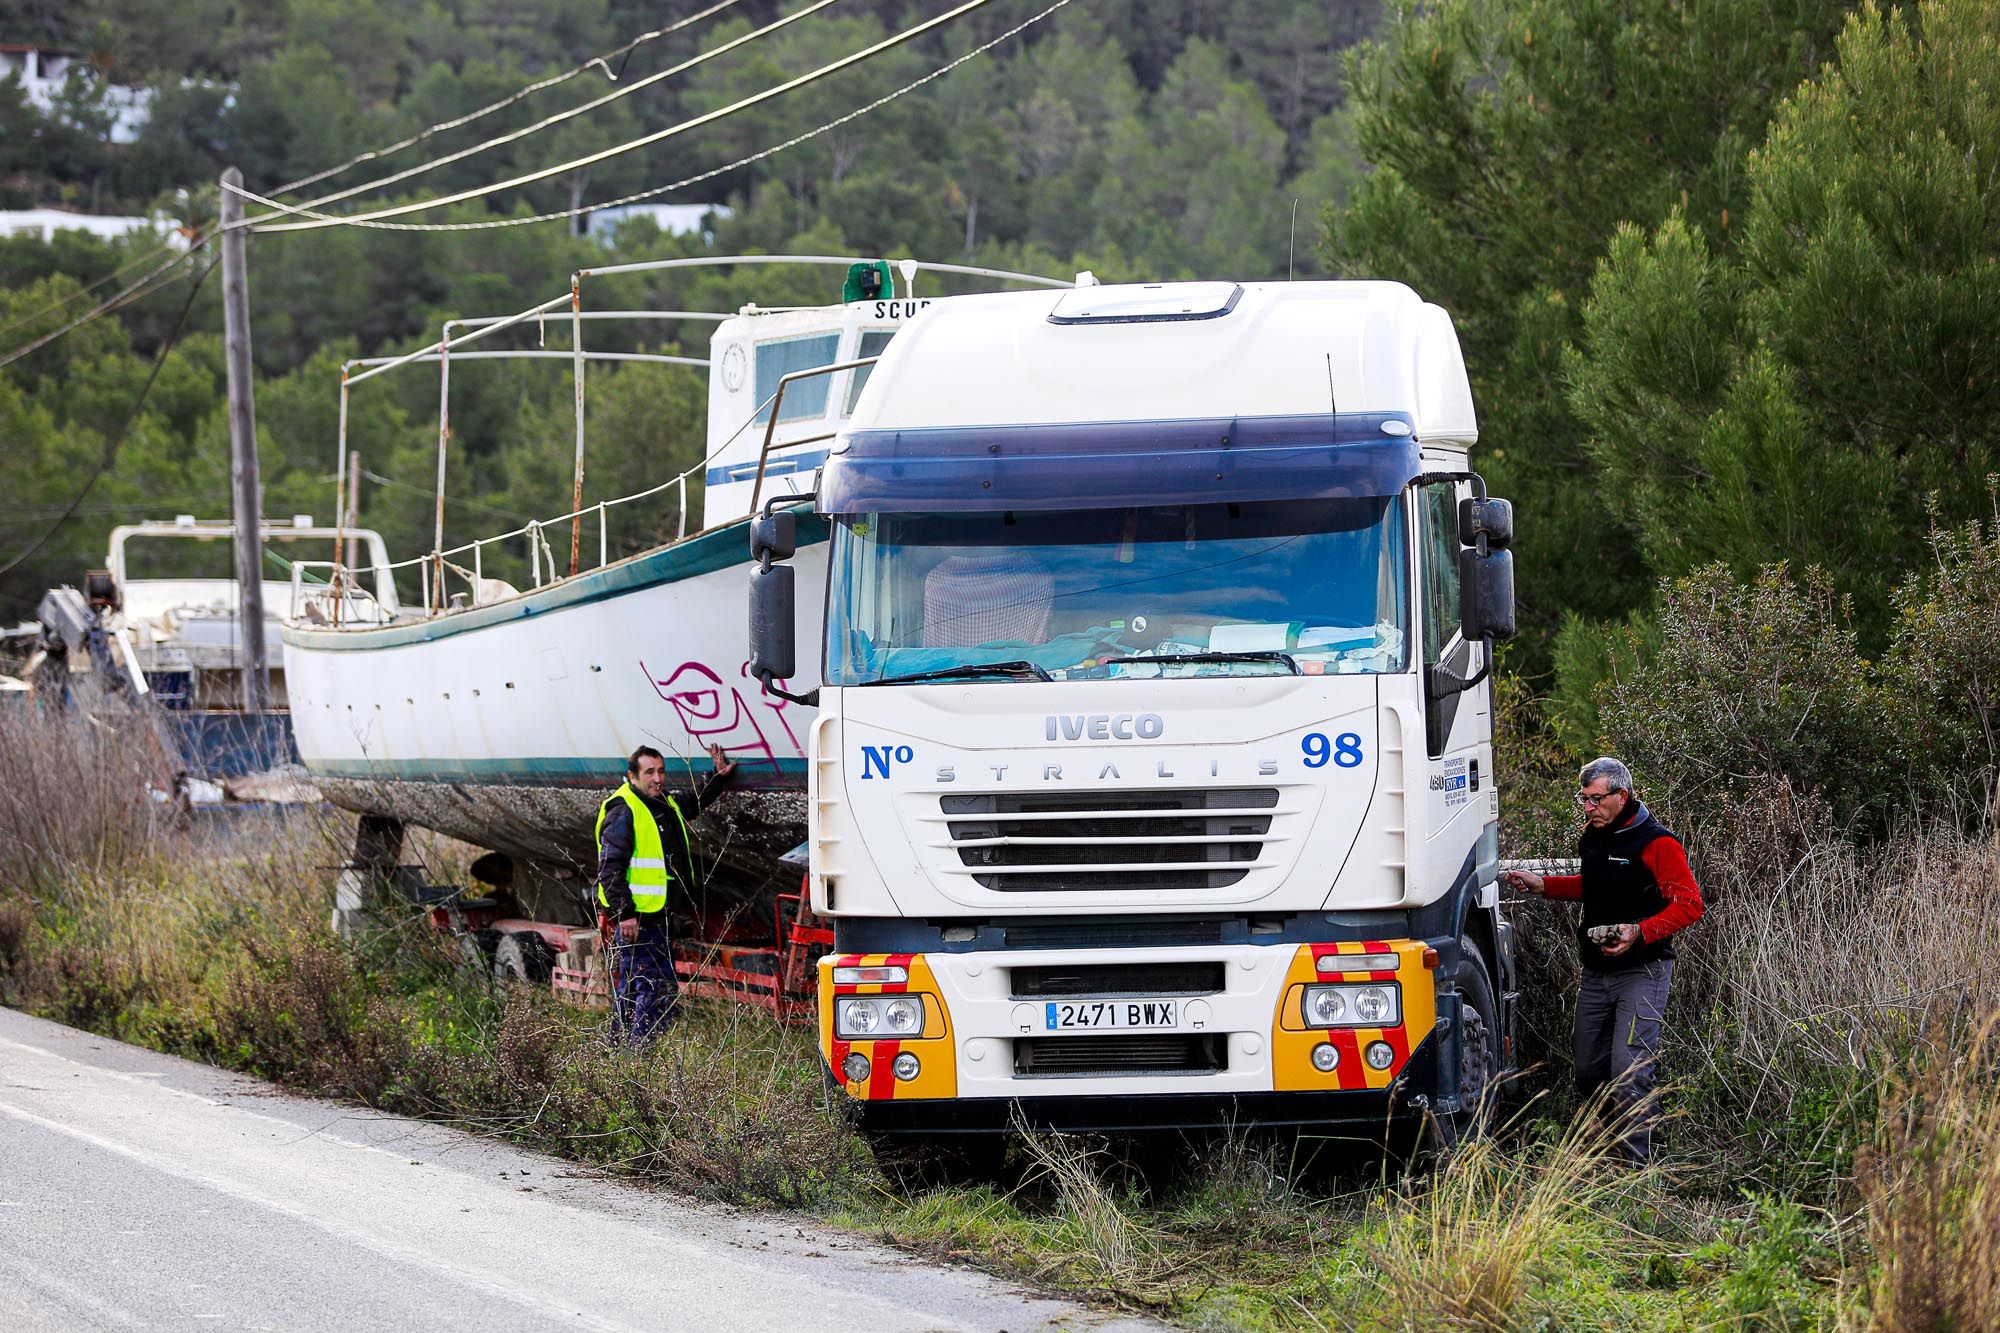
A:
(325, 602)
(330, 602)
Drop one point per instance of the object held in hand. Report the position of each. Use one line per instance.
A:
(1604, 935)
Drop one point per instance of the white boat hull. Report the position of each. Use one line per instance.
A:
(505, 725)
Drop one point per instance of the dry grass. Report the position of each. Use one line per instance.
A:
(1831, 954)
(1104, 1232)
(211, 942)
(1460, 1249)
(209, 939)
(1820, 959)
(1931, 1182)
(75, 797)
(1820, 963)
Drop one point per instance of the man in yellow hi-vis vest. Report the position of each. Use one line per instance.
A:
(643, 855)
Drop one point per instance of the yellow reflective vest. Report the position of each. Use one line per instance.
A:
(646, 875)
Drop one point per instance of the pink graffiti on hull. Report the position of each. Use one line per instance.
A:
(717, 714)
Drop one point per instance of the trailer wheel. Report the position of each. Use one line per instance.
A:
(1478, 1052)
(475, 948)
(523, 956)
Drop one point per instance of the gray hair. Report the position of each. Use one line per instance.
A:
(1613, 772)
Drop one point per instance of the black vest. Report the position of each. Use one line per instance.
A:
(1618, 889)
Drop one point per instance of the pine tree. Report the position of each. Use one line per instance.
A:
(1802, 394)
(1511, 138)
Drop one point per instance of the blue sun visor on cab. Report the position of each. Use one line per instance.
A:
(1111, 464)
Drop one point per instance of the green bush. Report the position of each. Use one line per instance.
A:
(1774, 1258)
(1753, 684)
(1943, 671)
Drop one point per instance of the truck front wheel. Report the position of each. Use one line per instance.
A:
(1478, 1051)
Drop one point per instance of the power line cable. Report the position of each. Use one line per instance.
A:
(143, 287)
(603, 61)
(72, 298)
(797, 139)
(140, 289)
(29, 515)
(621, 53)
(315, 221)
(112, 445)
(466, 500)
(561, 116)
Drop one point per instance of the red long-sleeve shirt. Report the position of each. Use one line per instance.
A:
(1668, 861)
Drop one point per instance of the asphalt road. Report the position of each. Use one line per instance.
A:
(141, 1191)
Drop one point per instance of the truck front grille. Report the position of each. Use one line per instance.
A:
(1135, 933)
(1071, 979)
(1023, 842)
(1086, 1057)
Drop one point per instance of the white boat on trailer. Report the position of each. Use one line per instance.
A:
(501, 716)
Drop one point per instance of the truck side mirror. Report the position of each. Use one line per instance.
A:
(1492, 519)
(1486, 592)
(774, 536)
(773, 634)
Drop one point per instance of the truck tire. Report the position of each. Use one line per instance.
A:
(1478, 1052)
(523, 956)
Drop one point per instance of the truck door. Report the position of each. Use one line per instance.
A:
(1457, 723)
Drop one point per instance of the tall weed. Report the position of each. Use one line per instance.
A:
(75, 801)
(1931, 1180)
(1103, 1228)
(1460, 1249)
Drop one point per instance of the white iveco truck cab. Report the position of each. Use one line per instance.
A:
(1152, 780)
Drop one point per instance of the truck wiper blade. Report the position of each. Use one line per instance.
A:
(1018, 669)
(1248, 655)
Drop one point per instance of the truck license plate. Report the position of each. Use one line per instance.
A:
(1124, 1015)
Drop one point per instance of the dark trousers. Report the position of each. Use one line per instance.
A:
(1619, 1016)
(644, 979)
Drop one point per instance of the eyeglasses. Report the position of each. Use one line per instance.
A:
(1588, 801)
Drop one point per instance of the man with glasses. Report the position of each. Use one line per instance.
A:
(1637, 891)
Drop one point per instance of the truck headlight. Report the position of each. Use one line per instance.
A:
(1373, 1003)
(1325, 1006)
(902, 1016)
(879, 1016)
(1353, 1006)
(856, 1018)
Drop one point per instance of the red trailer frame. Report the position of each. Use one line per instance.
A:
(780, 977)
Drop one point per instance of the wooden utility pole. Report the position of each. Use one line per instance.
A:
(243, 450)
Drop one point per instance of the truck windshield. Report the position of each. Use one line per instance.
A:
(1312, 587)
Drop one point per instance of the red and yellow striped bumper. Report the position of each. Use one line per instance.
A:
(1292, 1040)
(937, 1065)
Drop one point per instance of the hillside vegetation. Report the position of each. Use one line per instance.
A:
(1142, 138)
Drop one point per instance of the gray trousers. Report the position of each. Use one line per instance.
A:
(1618, 1021)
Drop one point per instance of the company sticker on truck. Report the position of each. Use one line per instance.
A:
(1452, 782)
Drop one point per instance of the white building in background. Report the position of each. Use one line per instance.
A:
(601, 224)
(42, 75)
(44, 223)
